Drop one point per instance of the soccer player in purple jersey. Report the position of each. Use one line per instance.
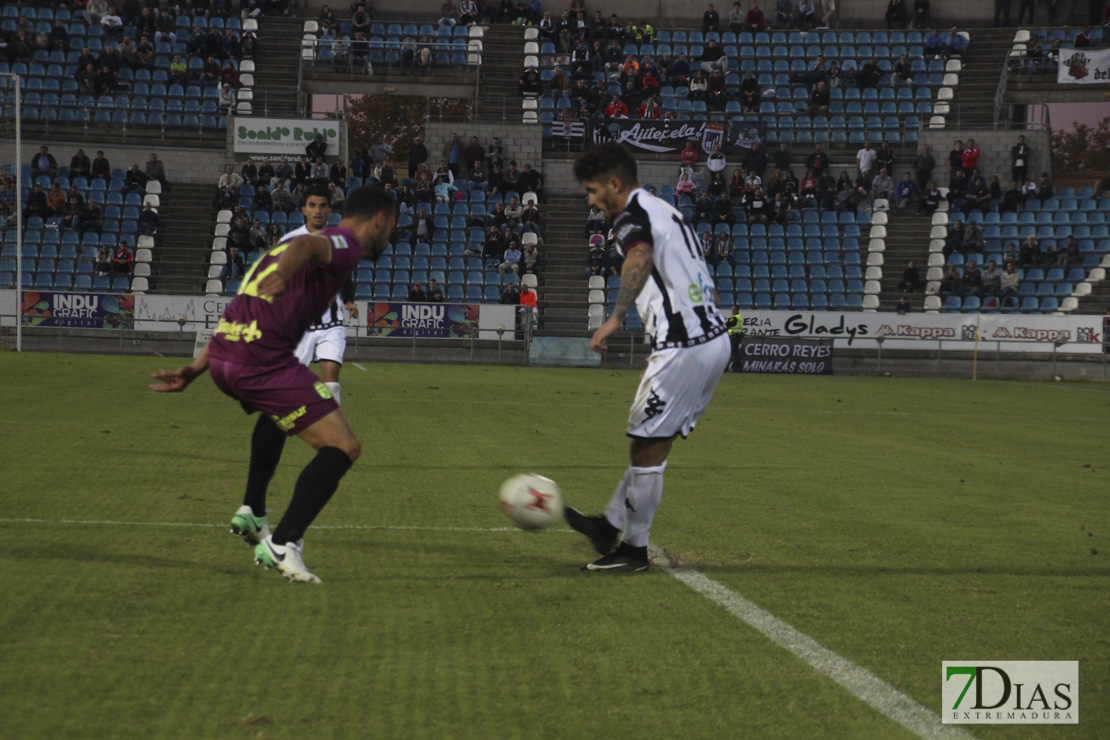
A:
(251, 359)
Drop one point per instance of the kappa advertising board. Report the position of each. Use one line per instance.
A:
(281, 137)
(1010, 333)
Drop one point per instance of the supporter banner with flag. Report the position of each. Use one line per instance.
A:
(79, 310)
(742, 134)
(671, 136)
(568, 129)
(281, 137)
(1084, 67)
(425, 320)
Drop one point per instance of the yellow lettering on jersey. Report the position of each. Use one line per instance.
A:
(285, 423)
(233, 331)
(251, 281)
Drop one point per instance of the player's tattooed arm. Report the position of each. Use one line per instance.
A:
(634, 275)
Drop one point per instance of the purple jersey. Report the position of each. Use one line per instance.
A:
(258, 330)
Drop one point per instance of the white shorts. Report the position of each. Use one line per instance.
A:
(322, 344)
(676, 389)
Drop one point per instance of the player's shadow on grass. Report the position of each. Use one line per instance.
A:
(98, 554)
(467, 560)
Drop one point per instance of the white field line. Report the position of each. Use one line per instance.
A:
(861, 683)
(360, 367)
(114, 523)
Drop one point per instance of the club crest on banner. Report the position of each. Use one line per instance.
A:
(712, 136)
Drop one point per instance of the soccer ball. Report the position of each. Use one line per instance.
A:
(531, 501)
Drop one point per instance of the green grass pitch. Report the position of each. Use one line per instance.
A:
(898, 522)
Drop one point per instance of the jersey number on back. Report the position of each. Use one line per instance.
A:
(251, 281)
(690, 238)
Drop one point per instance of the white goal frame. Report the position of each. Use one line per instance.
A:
(11, 83)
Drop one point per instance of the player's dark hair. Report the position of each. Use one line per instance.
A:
(318, 191)
(368, 202)
(607, 160)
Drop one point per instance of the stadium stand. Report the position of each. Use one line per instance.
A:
(145, 87)
(782, 64)
(61, 255)
(1035, 53)
(393, 47)
(1053, 271)
(814, 261)
(453, 254)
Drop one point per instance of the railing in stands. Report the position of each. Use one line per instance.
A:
(1000, 93)
(431, 72)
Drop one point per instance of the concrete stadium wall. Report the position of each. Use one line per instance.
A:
(995, 148)
(521, 142)
(182, 164)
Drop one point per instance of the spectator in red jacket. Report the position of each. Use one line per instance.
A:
(969, 158)
(121, 260)
(616, 109)
(650, 110)
(689, 154)
(755, 19)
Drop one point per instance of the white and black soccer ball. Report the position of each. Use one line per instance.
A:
(531, 502)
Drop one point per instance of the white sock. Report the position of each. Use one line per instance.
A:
(616, 510)
(334, 388)
(645, 490)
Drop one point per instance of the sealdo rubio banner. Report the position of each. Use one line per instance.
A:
(425, 320)
(784, 355)
(79, 310)
(1083, 67)
(281, 137)
(671, 136)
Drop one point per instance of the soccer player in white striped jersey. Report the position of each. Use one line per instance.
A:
(326, 340)
(665, 276)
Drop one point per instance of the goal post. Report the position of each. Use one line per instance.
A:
(11, 199)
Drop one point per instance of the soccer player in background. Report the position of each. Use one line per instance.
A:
(666, 278)
(326, 340)
(251, 359)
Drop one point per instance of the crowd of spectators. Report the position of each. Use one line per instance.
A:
(591, 59)
(969, 193)
(349, 43)
(512, 224)
(78, 208)
(488, 12)
(139, 43)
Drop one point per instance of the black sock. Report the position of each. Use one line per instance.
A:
(640, 553)
(315, 486)
(607, 529)
(267, 442)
